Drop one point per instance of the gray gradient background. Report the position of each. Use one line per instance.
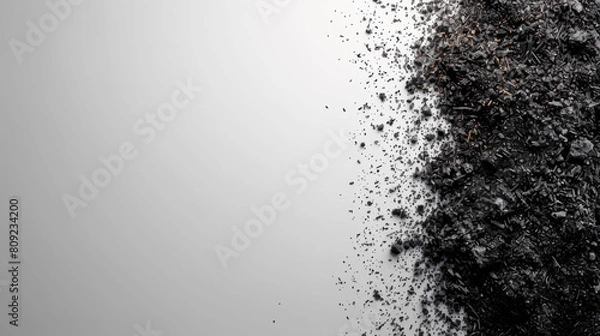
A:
(143, 249)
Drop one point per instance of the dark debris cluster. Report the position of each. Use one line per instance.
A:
(516, 231)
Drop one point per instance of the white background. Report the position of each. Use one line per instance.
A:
(143, 249)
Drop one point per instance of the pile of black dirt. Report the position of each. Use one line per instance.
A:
(515, 233)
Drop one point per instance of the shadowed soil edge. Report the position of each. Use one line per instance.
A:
(516, 232)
